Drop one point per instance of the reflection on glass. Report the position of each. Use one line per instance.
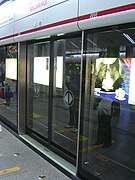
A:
(38, 87)
(108, 108)
(65, 99)
(8, 84)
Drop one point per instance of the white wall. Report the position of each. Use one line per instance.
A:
(34, 19)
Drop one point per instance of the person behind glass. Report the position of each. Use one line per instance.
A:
(8, 92)
(2, 73)
(73, 84)
(7, 95)
(106, 108)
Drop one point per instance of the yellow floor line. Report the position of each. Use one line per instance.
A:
(91, 148)
(36, 115)
(103, 157)
(65, 130)
(83, 138)
(13, 169)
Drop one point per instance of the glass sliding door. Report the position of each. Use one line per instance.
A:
(38, 87)
(53, 88)
(9, 84)
(66, 89)
(108, 108)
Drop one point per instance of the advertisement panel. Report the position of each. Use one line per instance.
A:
(11, 68)
(115, 79)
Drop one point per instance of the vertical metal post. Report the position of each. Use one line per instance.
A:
(80, 101)
(50, 104)
(21, 87)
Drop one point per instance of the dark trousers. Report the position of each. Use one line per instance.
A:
(104, 134)
(74, 110)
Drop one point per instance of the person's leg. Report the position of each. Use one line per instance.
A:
(107, 132)
(8, 101)
(100, 133)
(3, 83)
(71, 118)
(76, 117)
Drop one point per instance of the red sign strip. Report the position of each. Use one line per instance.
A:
(10, 36)
(107, 12)
(50, 25)
(80, 18)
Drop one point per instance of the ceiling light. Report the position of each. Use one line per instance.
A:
(129, 38)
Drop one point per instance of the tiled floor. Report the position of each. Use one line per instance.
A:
(19, 162)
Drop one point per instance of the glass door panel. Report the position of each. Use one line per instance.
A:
(38, 87)
(108, 106)
(9, 84)
(66, 88)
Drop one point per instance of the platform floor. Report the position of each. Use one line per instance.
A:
(19, 162)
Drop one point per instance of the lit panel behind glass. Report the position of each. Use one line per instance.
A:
(11, 68)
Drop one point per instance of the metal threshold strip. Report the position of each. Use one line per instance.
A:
(68, 167)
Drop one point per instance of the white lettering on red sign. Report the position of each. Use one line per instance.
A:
(93, 15)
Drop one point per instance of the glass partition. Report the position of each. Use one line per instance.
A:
(38, 87)
(53, 87)
(8, 84)
(66, 89)
(108, 106)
